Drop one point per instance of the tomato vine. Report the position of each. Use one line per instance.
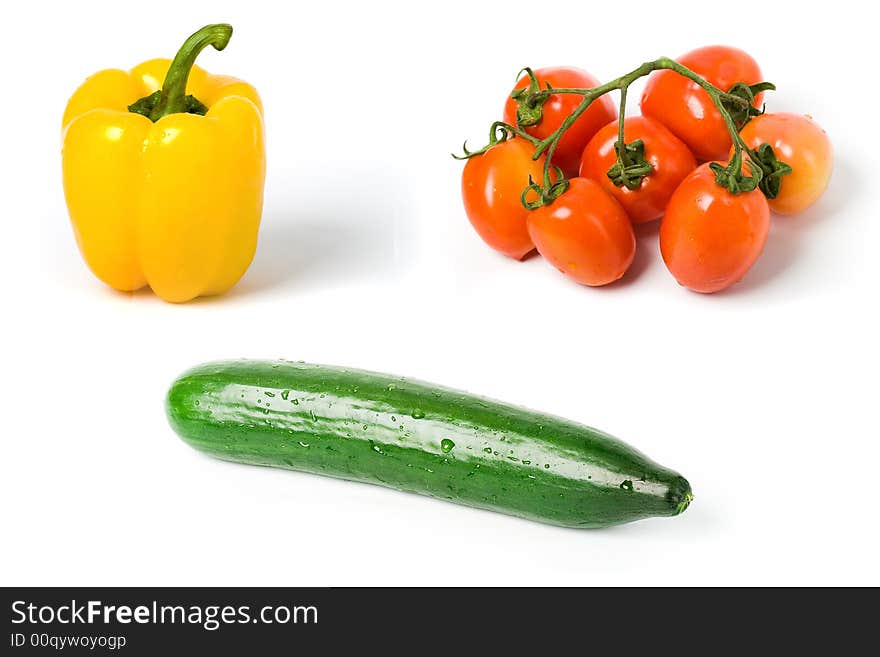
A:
(736, 107)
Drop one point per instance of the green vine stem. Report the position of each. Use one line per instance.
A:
(631, 166)
(498, 132)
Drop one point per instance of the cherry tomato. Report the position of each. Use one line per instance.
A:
(686, 109)
(491, 187)
(803, 145)
(585, 234)
(710, 238)
(558, 107)
(667, 154)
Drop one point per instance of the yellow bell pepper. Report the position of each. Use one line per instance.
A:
(166, 189)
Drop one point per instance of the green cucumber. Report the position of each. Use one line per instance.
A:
(421, 438)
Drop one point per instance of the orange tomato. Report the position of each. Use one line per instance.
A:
(557, 108)
(668, 155)
(491, 187)
(710, 238)
(585, 234)
(686, 109)
(798, 141)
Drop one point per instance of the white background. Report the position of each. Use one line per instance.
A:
(765, 396)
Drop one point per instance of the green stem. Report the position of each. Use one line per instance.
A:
(631, 166)
(621, 117)
(519, 132)
(548, 144)
(498, 132)
(173, 97)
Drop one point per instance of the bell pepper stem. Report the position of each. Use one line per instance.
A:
(173, 97)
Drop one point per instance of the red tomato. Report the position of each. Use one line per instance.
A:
(558, 107)
(671, 159)
(491, 187)
(798, 141)
(683, 107)
(710, 238)
(585, 234)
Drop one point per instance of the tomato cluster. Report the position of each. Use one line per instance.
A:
(672, 163)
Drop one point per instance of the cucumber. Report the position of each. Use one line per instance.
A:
(417, 437)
